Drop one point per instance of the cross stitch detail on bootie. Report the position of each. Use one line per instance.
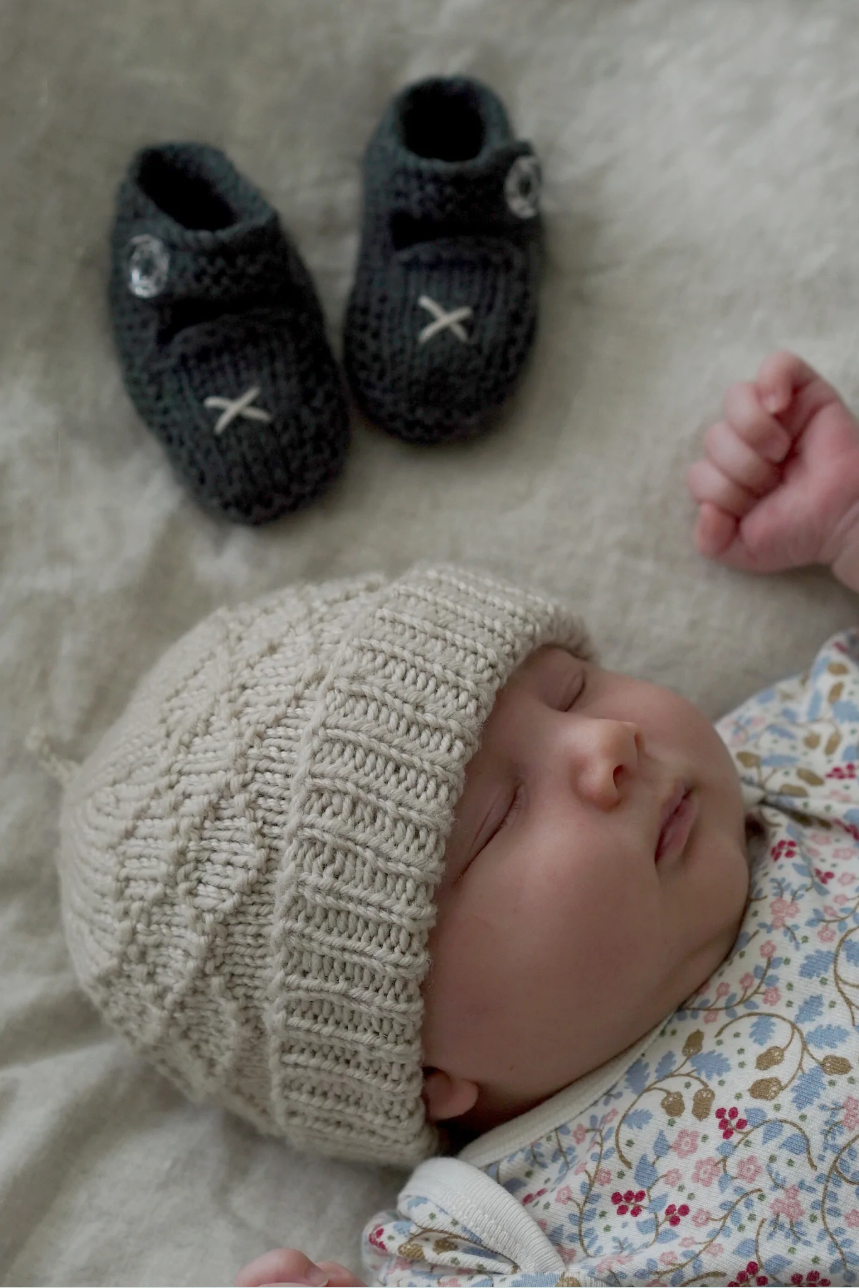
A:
(221, 338)
(443, 311)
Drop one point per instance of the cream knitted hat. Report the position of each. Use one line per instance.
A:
(250, 855)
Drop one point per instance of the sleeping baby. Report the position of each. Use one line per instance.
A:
(396, 871)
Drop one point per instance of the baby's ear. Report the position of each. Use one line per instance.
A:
(446, 1096)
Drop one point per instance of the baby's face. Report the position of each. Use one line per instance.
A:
(595, 877)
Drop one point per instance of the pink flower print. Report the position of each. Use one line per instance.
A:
(675, 1214)
(579, 1133)
(564, 1194)
(768, 949)
(610, 1117)
(772, 995)
(606, 1265)
(782, 911)
(840, 900)
(701, 1217)
(685, 1142)
(667, 1258)
(851, 1113)
(829, 910)
(710, 1017)
(852, 1218)
(825, 877)
(747, 981)
(749, 1169)
(603, 1176)
(706, 1171)
(813, 1279)
(723, 990)
(673, 1176)
(787, 1204)
(784, 849)
(826, 934)
(375, 1238)
(730, 1121)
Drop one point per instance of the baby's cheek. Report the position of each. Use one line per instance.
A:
(719, 902)
(615, 942)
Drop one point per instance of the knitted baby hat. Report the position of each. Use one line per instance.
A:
(249, 857)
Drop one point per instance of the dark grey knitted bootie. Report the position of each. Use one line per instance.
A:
(443, 310)
(220, 336)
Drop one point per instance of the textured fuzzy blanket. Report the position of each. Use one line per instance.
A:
(701, 200)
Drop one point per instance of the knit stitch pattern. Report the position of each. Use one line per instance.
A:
(249, 857)
(210, 302)
(450, 220)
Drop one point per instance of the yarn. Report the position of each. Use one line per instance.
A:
(249, 857)
(209, 301)
(451, 230)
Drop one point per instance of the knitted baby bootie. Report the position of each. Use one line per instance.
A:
(220, 336)
(443, 310)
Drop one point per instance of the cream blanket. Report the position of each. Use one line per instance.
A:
(702, 206)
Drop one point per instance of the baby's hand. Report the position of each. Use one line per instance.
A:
(779, 485)
(287, 1266)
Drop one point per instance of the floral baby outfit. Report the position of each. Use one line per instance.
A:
(723, 1148)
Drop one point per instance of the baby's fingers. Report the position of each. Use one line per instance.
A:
(749, 418)
(781, 376)
(789, 388)
(282, 1266)
(729, 451)
(708, 483)
(714, 531)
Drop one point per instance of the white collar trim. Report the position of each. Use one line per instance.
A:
(566, 1104)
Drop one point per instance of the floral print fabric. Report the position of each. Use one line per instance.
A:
(728, 1153)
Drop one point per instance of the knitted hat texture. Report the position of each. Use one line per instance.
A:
(250, 855)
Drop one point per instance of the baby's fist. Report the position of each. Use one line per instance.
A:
(779, 484)
(288, 1266)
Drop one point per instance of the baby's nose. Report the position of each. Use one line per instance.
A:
(611, 760)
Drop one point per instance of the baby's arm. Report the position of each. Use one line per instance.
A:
(779, 484)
